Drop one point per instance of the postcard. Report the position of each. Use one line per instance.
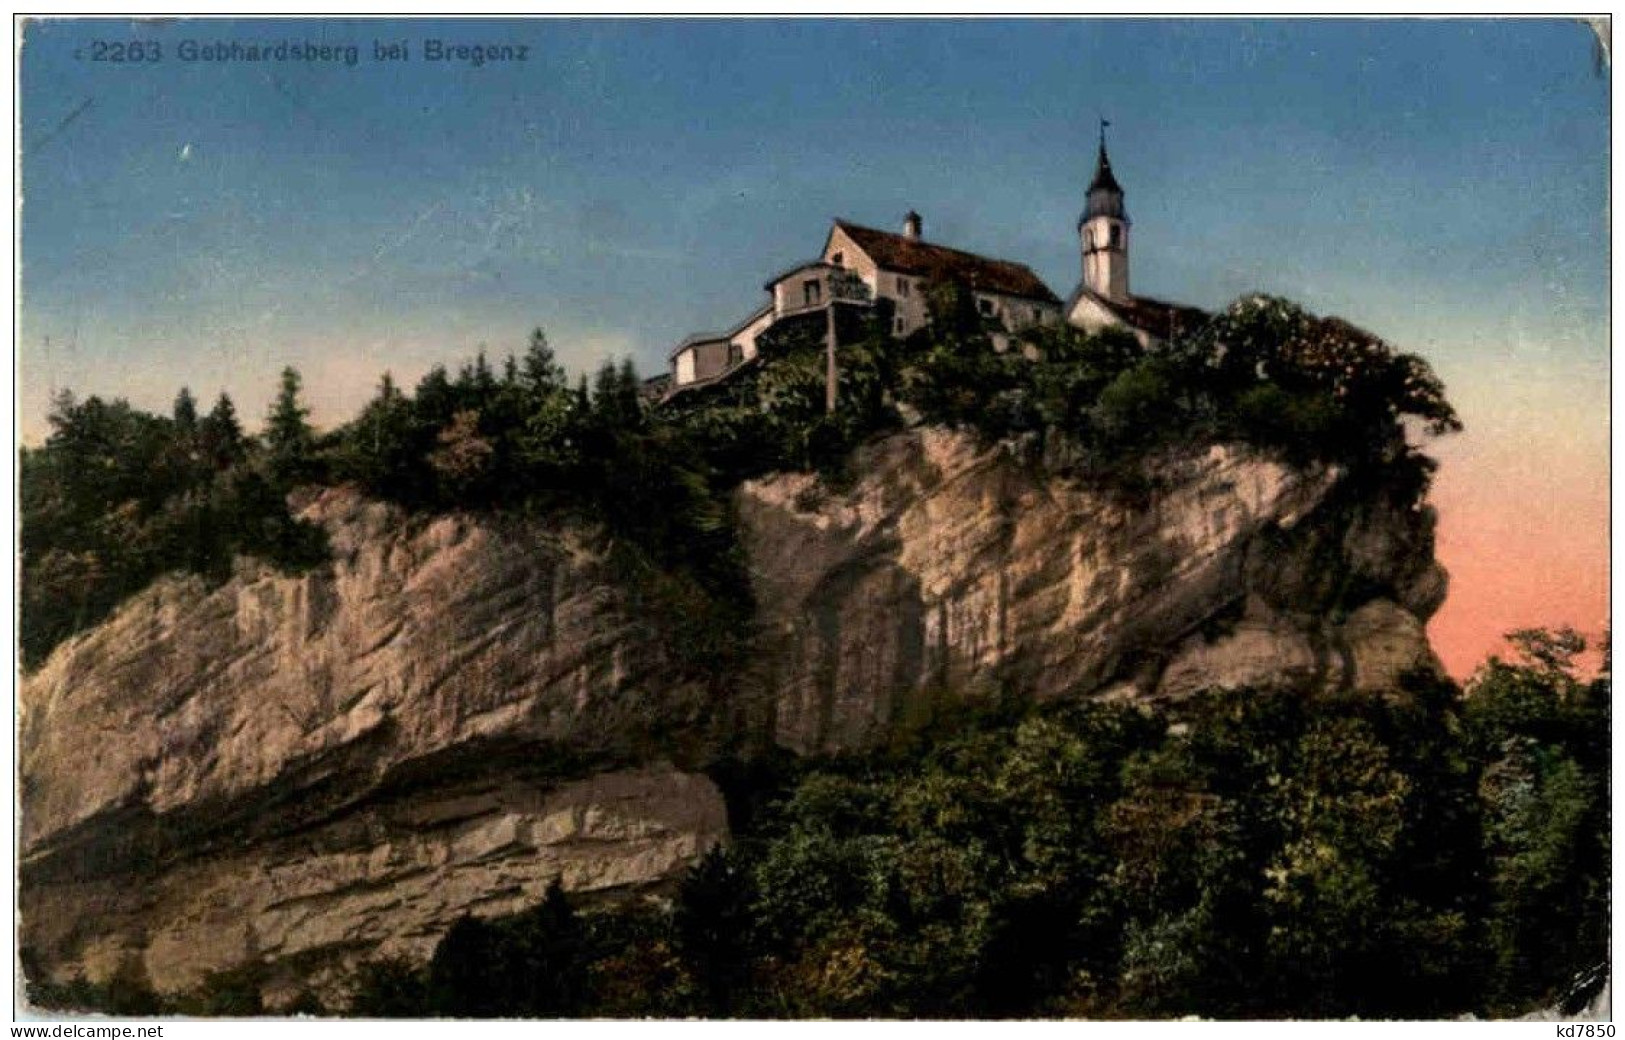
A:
(798, 518)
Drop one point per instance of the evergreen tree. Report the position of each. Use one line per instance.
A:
(435, 399)
(712, 922)
(288, 437)
(185, 411)
(220, 435)
(465, 980)
(546, 966)
(540, 371)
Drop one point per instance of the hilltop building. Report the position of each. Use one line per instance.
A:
(859, 266)
(1102, 298)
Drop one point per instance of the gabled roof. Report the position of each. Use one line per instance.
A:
(912, 256)
(1160, 318)
(805, 265)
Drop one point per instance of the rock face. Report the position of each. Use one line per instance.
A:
(953, 567)
(345, 761)
(302, 771)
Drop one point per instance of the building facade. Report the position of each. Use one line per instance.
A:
(857, 267)
(1102, 299)
(860, 266)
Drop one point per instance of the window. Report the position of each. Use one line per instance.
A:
(811, 292)
(736, 354)
(1089, 240)
(898, 325)
(902, 287)
(1117, 236)
(985, 305)
(1038, 316)
(839, 259)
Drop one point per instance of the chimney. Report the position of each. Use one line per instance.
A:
(912, 226)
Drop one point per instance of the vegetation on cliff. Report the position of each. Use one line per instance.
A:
(1242, 855)
(1245, 855)
(1251, 856)
(116, 496)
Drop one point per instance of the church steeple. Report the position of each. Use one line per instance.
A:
(1103, 230)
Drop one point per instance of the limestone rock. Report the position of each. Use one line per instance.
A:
(302, 762)
(950, 566)
(299, 771)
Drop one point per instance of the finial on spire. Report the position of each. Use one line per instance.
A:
(1104, 123)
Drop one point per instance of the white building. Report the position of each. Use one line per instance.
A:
(861, 265)
(858, 266)
(1102, 298)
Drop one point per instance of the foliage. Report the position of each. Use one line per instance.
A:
(1244, 855)
(1264, 372)
(117, 496)
(290, 444)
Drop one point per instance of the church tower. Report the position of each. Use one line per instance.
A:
(1103, 231)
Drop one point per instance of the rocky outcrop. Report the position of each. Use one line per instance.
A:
(344, 761)
(950, 566)
(382, 881)
(299, 771)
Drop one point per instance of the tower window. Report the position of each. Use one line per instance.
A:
(1089, 239)
(1117, 236)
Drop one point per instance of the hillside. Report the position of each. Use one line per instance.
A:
(1044, 667)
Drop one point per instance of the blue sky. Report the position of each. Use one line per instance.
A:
(1444, 183)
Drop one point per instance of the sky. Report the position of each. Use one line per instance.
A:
(204, 222)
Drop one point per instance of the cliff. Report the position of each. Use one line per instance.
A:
(302, 771)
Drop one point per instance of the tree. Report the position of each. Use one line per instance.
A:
(1542, 735)
(220, 435)
(288, 437)
(712, 923)
(185, 411)
(390, 988)
(462, 462)
(465, 977)
(545, 970)
(540, 374)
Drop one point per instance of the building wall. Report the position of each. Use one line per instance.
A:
(789, 295)
(699, 361)
(1018, 312)
(1092, 316)
(852, 258)
(1105, 270)
(710, 358)
(745, 338)
(907, 291)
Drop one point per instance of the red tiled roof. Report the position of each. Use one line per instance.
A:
(1162, 319)
(912, 256)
